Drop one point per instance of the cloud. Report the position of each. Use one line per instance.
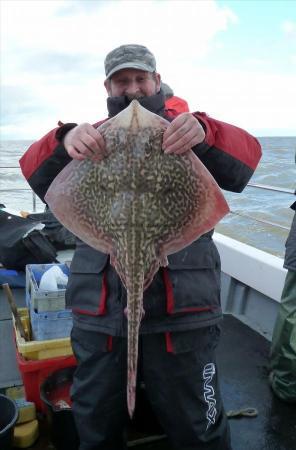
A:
(289, 28)
(252, 100)
(72, 7)
(159, 25)
(18, 104)
(55, 62)
(53, 54)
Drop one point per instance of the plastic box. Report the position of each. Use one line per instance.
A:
(39, 350)
(44, 300)
(35, 372)
(49, 318)
(51, 325)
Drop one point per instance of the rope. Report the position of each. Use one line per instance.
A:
(244, 412)
(146, 440)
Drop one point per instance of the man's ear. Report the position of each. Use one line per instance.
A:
(107, 85)
(158, 81)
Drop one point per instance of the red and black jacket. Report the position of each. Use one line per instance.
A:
(186, 294)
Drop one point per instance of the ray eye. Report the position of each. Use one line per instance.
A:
(148, 150)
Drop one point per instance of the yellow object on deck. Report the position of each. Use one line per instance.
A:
(27, 411)
(25, 434)
(24, 214)
(37, 350)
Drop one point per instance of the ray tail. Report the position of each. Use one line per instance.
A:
(135, 308)
(134, 282)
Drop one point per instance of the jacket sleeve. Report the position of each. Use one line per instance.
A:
(230, 154)
(45, 158)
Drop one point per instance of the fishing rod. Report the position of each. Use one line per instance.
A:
(272, 188)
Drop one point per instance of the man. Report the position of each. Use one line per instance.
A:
(283, 345)
(179, 331)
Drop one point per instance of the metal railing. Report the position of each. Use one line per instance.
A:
(236, 213)
(34, 196)
(268, 188)
(272, 188)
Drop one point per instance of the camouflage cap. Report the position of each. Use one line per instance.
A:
(131, 56)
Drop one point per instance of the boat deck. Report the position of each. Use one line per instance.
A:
(243, 364)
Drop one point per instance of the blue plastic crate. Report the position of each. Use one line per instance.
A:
(44, 300)
(51, 324)
(49, 318)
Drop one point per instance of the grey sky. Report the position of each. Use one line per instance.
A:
(218, 55)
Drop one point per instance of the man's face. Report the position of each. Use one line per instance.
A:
(133, 83)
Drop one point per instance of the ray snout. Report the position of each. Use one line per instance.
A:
(135, 116)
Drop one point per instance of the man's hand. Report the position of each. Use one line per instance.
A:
(183, 133)
(84, 141)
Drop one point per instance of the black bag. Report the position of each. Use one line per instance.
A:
(59, 236)
(20, 246)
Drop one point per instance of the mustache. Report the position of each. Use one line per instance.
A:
(136, 96)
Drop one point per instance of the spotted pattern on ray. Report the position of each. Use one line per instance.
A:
(154, 193)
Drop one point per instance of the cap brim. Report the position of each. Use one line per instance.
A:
(132, 65)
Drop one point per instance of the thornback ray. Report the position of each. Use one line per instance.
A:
(139, 205)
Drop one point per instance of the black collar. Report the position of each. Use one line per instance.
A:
(154, 103)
